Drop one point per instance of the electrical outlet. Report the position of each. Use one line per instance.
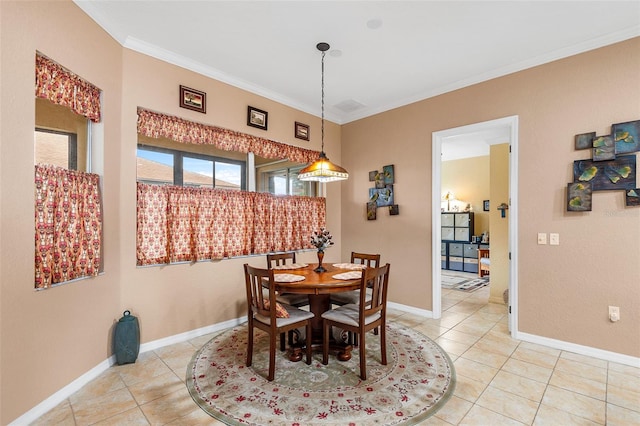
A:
(542, 238)
(614, 313)
(554, 239)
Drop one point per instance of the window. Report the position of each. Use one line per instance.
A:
(68, 205)
(281, 178)
(57, 148)
(169, 166)
(61, 136)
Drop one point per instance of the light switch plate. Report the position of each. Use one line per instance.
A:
(554, 239)
(614, 313)
(542, 238)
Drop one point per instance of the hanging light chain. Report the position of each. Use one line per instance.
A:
(322, 122)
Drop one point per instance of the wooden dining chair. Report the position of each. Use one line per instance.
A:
(280, 259)
(347, 297)
(297, 300)
(362, 317)
(270, 316)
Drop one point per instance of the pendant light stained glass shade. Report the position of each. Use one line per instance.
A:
(323, 170)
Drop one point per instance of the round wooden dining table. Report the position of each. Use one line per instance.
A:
(319, 286)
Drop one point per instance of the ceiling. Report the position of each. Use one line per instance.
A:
(383, 54)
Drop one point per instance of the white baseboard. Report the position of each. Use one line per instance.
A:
(191, 334)
(410, 309)
(64, 393)
(544, 341)
(580, 349)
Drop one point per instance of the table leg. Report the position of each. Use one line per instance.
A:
(319, 304)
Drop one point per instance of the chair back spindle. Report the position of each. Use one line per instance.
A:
(377, 280)
(280, 259)
(257, 280)
(370, 260)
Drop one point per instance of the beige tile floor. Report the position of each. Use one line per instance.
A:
(501, 381)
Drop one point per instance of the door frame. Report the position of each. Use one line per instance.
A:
(436, 178)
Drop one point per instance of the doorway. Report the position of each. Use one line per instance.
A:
(504, 126)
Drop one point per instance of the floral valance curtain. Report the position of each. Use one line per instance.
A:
(62, 87)
(68, 221)
(155, 125)
(177, 224)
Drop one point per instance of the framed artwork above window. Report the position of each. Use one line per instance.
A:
(302, 131)
(192, 99)
(257, 118)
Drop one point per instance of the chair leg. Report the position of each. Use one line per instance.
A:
(272, 358)
(282, 345)
(383, 344)
(363, 357)
(325, 342)
(250, 346)
(309, 343)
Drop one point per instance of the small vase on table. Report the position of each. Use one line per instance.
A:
(320, 268)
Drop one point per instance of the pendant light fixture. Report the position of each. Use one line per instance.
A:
(323, 170)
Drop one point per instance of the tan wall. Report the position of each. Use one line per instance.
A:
(52, 337)
(468, 179)
(564, 290)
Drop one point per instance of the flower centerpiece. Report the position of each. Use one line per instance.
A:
(321, 240)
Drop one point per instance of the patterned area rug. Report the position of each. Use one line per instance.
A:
(418, 379)
(456, 282)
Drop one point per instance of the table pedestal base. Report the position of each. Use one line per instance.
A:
(319, 304)
(342, 351)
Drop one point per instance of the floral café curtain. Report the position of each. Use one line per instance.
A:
(177, 224)
(62, 87)
(155, 125)
(68, 221)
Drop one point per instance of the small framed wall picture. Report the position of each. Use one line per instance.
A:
(302, 131)
(192, 99)
(257, 118)
(485, 205)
